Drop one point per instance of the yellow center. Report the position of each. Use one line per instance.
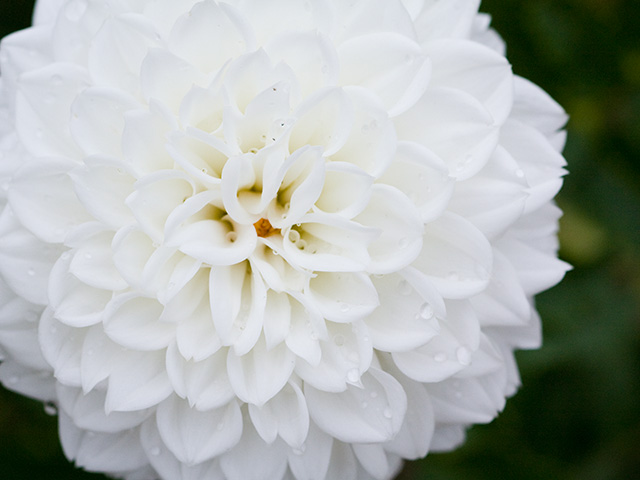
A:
(264, 228)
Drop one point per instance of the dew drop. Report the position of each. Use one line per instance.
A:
(50, 408)
(50, 99)
(458, 395)
(344, 308)
(294, 236)
(275, 252)
(387, 413)
(463, 355)
(404, 288)
(204, 170)
(90, 352)
(353, 375)
(426, 312)
(300, 450)
(301, 244)
(373, 394)
(519, 173)
(313, 336)
(325, 69)
(39, 133)
(220, 426)
(155, 451)
(31, 272)
(440, 357)
(364, 129)
(364, 404)
(339, 340)
(65, 256)
(5, 186)
(231, 236)
(88, 256)
(13, 380)
(453, 276)
(75, 10)
(404, 242)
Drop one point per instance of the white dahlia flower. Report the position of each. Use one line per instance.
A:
(283, 239)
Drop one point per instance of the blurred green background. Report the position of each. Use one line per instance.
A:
(578, 414)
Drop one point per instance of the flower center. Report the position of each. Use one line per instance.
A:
(264, 228)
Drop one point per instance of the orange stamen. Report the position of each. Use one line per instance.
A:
(264, 228)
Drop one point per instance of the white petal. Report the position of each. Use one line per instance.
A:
(373, 459)
(97, 120)
(42, 108)
(475, 69)
(455, 256)
(400, 223)
(102, 185)
(25, 263)
(117, 52)
(355, 416)
(324, 119)
(390, 64)
(311, 55)
(371, 142)
(144, 138)
(203, 383)
(346, 190)
(92, 263)
(455, 126)
(423, 177)
(87, 411)
(61, 347)
(343, 297)
(278, 317)
(43, 199)
(453, 18)
(208, 35)
(134, 322)
(447, 353)
(193, 436)
(167, 78)
(97, 451)
(260, 374)
(312, 461)
(138, 380)
(285, 414)
(346, 356)
(156, 196)
(405, 318)
(494, 198)
(273, 457)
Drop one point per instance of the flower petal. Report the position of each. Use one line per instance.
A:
(343, 416)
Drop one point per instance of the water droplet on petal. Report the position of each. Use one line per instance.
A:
(155, 451)
(519, 173)
(50, 408)
(231, 236)
(88, 256)
(373, 394)
(65, 255)
(344, 308)
(458, 395)
(387, 413)
(220, 426)
(404, 288)
(31, 272)
(300, 450)
(440, 357)
(339, 340)
(353, 375)
(364, 404)
(404, 242)
(13, 380)
(463, 355)
(426, 312)
(294, 236)
(5, 186)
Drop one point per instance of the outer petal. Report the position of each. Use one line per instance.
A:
(356, 416)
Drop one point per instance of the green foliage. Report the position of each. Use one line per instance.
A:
(577, 415)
